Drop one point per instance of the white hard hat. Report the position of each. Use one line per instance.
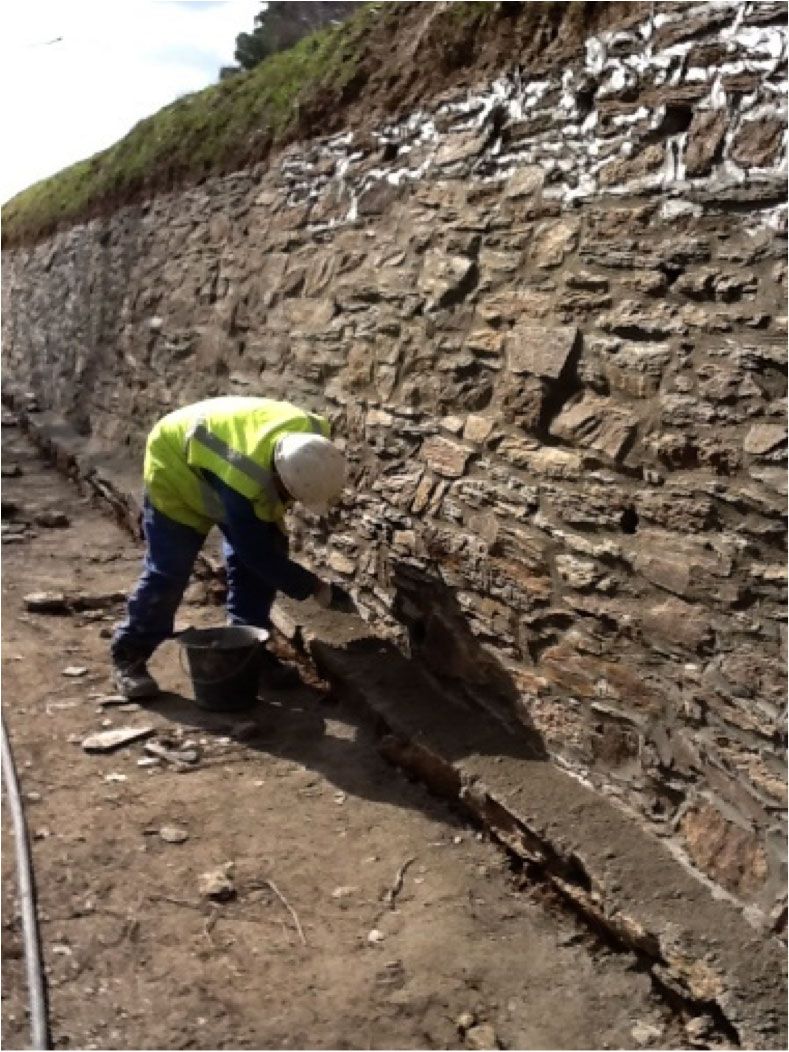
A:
(312, 470)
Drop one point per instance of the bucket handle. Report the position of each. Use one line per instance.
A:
(219, 679)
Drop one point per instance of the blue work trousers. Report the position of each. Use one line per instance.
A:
(172, 549)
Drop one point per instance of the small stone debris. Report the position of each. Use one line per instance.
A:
(116, 776)
(60, 602)
(699, 1031)
(217, 884)
(11, 471)
(375, 936)
(173, 834)
(46, 603)
(107, 741)
(183, 756)
(14, 538)
(392, 974)
(343, 891)
(75, 671)
(108, 700)
(482, 1036)
(52, 520)
(643, 1032)
(465, 1021)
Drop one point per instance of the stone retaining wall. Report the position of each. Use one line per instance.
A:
(547, 318)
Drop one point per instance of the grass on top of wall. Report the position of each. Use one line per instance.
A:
(390, 56)
(217, 129)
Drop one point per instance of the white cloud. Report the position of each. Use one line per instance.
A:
(66, 99)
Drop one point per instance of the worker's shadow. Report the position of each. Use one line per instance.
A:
(448, 693)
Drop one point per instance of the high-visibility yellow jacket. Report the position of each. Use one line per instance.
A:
(234, 439)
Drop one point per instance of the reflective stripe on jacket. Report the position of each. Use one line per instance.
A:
(234, 439)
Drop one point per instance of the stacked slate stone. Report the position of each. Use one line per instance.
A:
(547, 318)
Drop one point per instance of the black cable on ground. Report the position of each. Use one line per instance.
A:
(39, 1022)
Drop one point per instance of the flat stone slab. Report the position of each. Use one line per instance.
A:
(621, 876)
(108, 741)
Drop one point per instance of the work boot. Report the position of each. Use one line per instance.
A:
(275, 675)
(133, 680)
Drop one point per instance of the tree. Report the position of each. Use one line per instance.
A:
(280, 25)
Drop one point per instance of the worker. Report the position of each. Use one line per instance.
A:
(236, 463)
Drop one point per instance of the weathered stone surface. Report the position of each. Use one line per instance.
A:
(478, 428)
(445, 457)
(523, 400)
(625, 169)
(705, 141)
(553, 242)
(725, 851)
(579, 573)
(710, 283)
(597, 423)
(637, 369)
(681, 565)
(459, 148)
(678, 624)
(632, 320)
(758, 143)
(675, 509)
(525, 182)
(445, 278)
(690, 24)
(763, 438)
(377, 199)
(540, 351)
(116, 738)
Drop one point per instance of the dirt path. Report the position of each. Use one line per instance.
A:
(295, 794)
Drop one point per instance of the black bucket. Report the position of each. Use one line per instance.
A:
(224, 665)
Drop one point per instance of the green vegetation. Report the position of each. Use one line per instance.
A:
(398, 53)
(281, 25)
(224, 126)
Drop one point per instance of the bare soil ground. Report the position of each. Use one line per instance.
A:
(292, 792)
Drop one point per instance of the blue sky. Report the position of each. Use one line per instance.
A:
(76, 75)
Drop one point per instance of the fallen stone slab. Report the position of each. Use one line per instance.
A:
(179, 757)
(117, 738)
(703, 949)
(75, 671)
(57, 602)
(46, 603)
(173, 834)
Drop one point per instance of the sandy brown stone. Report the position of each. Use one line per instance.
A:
(705, 141)
(541, 351)
(722, 849)
(444, 456)
(758, 142)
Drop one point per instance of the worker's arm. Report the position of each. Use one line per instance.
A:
(260, 545)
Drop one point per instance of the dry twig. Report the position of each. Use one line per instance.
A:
(288, 907)
(397, 886)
